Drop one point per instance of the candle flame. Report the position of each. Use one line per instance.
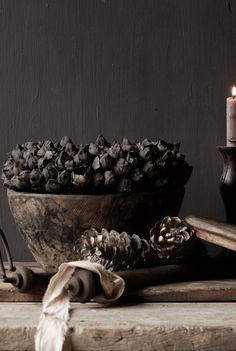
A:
(234, 91)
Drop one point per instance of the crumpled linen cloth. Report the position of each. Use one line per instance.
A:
(53, 324)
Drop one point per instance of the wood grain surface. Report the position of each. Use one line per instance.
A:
(200, 291)
(149, 326)
(221, 234)
(168, 285)
(132, 68)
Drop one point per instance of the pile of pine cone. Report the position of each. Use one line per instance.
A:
(99, 167)
(172, 240)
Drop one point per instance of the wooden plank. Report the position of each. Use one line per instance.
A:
(8, 293)
(149, 326)
(209, 290)
(166, 283)
(220, 290)
(217, 233)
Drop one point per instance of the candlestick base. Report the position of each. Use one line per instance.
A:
(227, 184)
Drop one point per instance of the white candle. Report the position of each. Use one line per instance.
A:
(231, 119)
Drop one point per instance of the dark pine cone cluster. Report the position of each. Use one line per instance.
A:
(171, 241)
(98, 167)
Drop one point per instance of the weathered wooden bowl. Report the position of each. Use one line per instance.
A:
(50, 224)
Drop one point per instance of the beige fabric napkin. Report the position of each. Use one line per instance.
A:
(53, 324)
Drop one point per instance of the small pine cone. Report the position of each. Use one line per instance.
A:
(174, 240)
(115, 251)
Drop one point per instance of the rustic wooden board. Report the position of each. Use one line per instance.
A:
(217, 233)
(147, 326)
(209, 290)
(200, 290)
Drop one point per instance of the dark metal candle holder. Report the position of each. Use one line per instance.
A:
(228, 182)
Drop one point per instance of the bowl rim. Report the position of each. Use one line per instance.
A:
(12, 193)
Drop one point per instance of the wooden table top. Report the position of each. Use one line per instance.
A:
(149, 326)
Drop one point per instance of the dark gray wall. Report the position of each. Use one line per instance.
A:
(135, 68)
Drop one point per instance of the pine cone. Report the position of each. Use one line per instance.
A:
(115, 251)
(174, 240)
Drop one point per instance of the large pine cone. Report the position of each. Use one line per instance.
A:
(115, 251)
(174, 240)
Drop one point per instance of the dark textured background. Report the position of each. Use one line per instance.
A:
(135, 68)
